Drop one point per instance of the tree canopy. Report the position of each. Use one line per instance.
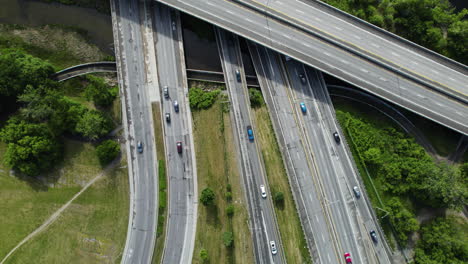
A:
(32, 148)
(207, 197)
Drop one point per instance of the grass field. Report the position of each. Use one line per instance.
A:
(217, 167)
(91, 230)
(26, 203)
(294, 243)
(161, 232)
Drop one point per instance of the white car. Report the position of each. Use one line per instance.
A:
(273, 247)
(263, 190)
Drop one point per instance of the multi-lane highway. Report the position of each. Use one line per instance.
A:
(315, 148)
(304, 186)
(262, 215)
(138, 124)
(181, 166)
(386, 82)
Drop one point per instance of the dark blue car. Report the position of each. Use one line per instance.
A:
(250, 133)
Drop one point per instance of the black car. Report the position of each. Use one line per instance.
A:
(337, 137)
(140, 147)
(238, 76)
(373, 236)
(176, 106)
(168, 117)
(302, 77)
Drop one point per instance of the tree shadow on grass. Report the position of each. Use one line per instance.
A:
(212, 215)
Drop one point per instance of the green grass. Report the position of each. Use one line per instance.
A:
(292, 236)
(216, 167)
(26, 203)
(162, 177)
(91, 230)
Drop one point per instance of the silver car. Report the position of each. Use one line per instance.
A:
(273, 248)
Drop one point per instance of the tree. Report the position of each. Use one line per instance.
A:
(107, 151)
(18, 70)
(207, 197)
(403, 220)
(93, 124)
(204, 255)
(230, 210)
(256, 99)
(443, 240)
(32, 148)
(278, 197)
(228, 239)
(99, 92)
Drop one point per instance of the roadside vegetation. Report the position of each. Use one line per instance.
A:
(222, 233)
(292, 235)
(52, 142)
(162, 183)
(433, 24)
(408, 189)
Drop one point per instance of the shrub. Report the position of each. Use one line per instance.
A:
(200, 99)
(228, 239)
(230, 210)
(107, 151)
(256, 99)
(204, 255)
(207, 197)
(278, 197)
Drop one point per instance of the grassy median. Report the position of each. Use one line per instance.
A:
(292, 236)
(162, 178)
(218, 169)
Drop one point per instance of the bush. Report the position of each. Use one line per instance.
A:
(228, 239)
(93, 125)
(278, 197)
(403, 220)
(256, 99)
(229, 196)
(107, 151)
(207, 197)
(204, 255)
(230, 210)
(200, 99)
(99, 92)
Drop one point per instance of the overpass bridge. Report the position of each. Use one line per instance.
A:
(350, 49)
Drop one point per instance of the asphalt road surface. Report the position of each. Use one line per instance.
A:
(181, 167)
(307, 193)
(331, 59)
(316, 18)
(137, 119)
(262, 215)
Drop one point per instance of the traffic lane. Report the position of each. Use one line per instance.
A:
(378, 84)
(348, 171)
(327, 173)
(295, 147)
(177, 162)
(372, 43)
(145, 207)
(232, 62)
(258, 228)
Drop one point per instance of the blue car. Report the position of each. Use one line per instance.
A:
(303, 107)
(250, 133)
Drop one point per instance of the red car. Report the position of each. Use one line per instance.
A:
(179, 147)
(348, 257)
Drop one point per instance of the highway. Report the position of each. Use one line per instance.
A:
(338, 179)
(412, 59)
(310, 151)
(181, 167)
(262, 216)
(138, 127)
(319, 53)
(307, 193)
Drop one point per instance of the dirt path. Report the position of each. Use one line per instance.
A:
(57, 213)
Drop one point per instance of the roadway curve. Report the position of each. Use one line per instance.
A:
(82, 69)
